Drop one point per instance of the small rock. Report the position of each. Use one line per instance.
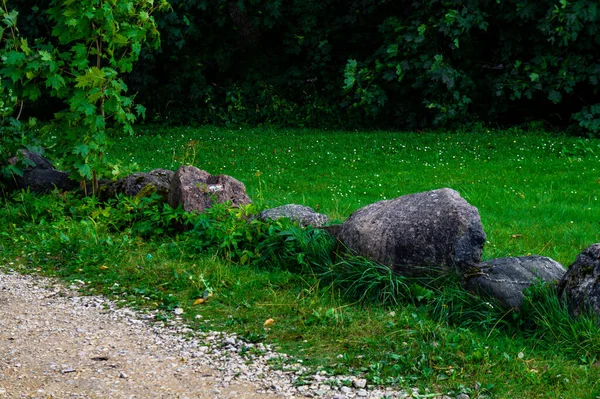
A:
(303, 215)
(360, 383)
(123, 375)
(462, 396)
(362, 393)
(178, 311)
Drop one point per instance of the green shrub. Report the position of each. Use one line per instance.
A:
(236, 235)
(374, 64)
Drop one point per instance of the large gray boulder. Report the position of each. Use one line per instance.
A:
(506, 278)
(418, 234)
(196, 190)
(303, 215)
(156, 181)
(580, 286)
(40, 176)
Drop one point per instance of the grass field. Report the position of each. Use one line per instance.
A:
(536, 193)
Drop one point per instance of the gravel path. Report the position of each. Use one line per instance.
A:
(55, 343)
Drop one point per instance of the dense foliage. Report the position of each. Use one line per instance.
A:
(375, 63)
(77, 58)
(366, 63)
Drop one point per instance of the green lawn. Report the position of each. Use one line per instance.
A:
(536, 193)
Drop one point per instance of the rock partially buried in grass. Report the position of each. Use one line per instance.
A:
(197, 190)
(42, 176)
(419, 234)
(580, 286)
(143, 184)
(505, 278)
(303, 215)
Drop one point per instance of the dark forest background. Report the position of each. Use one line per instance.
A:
(364, 63)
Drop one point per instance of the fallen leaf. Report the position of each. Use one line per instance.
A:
(103, 267)
(268, 322)
(517, 236)
(199, 301)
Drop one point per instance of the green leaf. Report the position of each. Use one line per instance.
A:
(99, 122)
(95, 95)
(140, 110)
(84, 170)
(392, 50)
(14, 58)
(80, 57)
(83, 106)
(399, 72)
(119, 40)
(349, 74)
(45, 55)
(10, 19)
(15, 170)
(13, 73)
(81, 149)
(24, 46)
(31, 91)
(55, 81)
(534, 76)
(555, 96)
(94, 77)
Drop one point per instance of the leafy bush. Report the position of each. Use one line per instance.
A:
(326, 64)
(238, 237)
(14, 137)
(77, 62)
(375, 64)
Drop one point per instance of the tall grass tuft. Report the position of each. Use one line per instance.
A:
(365, 281)
(447, 301)
(547, 318)
(455, 306)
